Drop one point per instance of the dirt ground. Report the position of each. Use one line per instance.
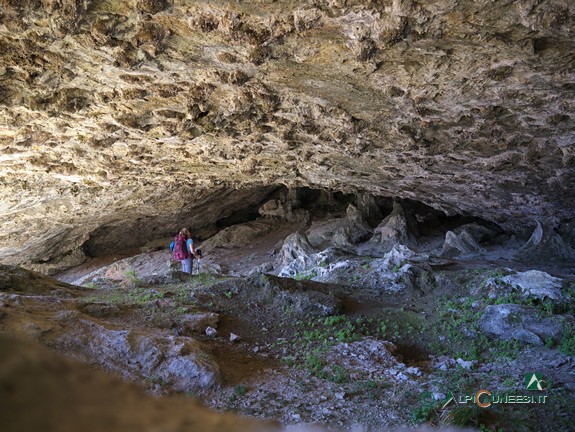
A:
(298, 366)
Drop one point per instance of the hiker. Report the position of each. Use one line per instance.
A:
(193, 252)
(181, 252)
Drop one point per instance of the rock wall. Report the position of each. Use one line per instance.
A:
(116, 113)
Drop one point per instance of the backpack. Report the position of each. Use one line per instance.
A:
(180, 249)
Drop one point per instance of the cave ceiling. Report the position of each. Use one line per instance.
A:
(116, 111)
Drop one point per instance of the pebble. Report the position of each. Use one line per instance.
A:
(401, 376)
(439, 396)
(234, 337)
(211, 332)
(464, 364)
(413, 371)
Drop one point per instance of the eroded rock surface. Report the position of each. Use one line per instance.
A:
(126, 116)
(512, 321)
(75, 327)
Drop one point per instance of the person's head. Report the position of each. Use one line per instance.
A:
(185, 233)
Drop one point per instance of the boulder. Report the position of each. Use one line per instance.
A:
(512, 321)
(321, 233)
(536, 284)
(296, 255)
(394, 229)
(394, 272)
(180, 363)
(465, 240)
(148, 268)
(298, 296)
(14, 279)
(399, 255)
(354, 229)
(546, 245)
(343, 232)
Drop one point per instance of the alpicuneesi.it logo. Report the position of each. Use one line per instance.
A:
(485, 398)
(534, 381)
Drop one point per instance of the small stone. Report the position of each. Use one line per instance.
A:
(234, 337)
(401, 376)
(438, 396)
(211, 332)
(339, 395)
(256, 349)
(413, 371)
(464, 364)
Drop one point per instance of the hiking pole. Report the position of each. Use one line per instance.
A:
(199, 259)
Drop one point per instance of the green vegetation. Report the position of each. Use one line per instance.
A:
(313, 338)
(238, 392)
(133, 296)
(203, 279)
(567, 344)
(456, 331)
(426, 410)
(161, 306)
(305, 275)
(431, 411)
(133, 278)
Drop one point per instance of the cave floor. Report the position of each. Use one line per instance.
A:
(380, 359)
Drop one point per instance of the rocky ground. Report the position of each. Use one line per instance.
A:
(325, 321)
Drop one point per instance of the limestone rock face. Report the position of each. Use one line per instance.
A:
(31, 307)
(512, 321)
(135, 116)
